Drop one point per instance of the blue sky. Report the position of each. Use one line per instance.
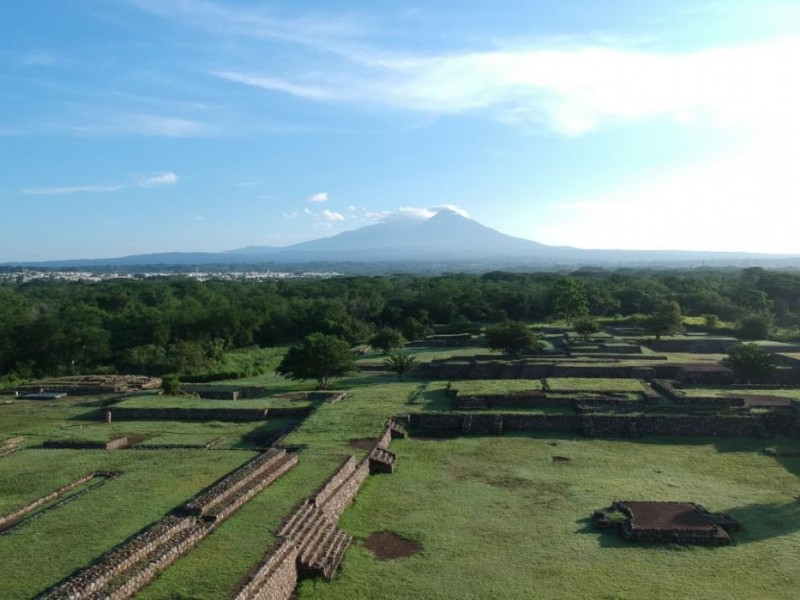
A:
(131, 126)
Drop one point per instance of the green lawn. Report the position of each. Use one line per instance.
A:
(498, 519)
(66, 538)
(598, 384)
(155, 401)
(495, 387)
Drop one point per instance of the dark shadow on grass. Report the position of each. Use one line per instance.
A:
(765, 521)
(606, 538)
(266, 434)
(92, 415)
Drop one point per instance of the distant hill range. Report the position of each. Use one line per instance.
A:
(446, 239)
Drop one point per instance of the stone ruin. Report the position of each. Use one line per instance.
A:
(666, 522)
(10, 445)
(132, 565)
(311, 542)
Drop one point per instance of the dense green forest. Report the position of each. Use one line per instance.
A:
(180, 325)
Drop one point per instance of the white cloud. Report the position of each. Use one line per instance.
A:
(453, 208)
(332, 216)
(157, 180)
(743, 202)
(319, 197)
(65, 190)
(570, 90)
(277, 85)
(351, 208)
(379, 215)
(289, 215)
(427, 213)
(138, 124)
(415, 213)
(307, 211)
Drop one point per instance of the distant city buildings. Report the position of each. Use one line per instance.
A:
(26, 276)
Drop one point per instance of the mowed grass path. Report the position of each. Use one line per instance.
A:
(498, 519)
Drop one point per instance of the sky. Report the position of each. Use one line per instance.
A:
(137, 126)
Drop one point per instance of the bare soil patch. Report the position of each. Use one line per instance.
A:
(667, 515)
(363, 443)
(386, 545)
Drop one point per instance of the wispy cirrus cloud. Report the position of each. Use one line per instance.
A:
(142, 181)
(67, 190)
(569, 90)
(138, 124)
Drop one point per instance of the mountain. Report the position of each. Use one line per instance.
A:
(447, 238)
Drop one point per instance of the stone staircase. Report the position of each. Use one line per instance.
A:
(381, 460)
(320, 543)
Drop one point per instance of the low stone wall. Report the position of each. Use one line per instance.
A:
(679, 397)
(274, 578)
(236, 415)
(311, 542)
(10, 519)
(601, 425)
(539, 370)
(233, 482)
(130, 566)
(337, 495)
(691, 346)
(114, 444)
(10, 445)
(224, 392)
(541, 423)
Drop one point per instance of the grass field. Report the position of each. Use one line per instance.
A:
(580, 384)
(155, 401)
(497, 518)
(489, 387)
(42, 552)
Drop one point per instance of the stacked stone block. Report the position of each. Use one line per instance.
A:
(136, 562)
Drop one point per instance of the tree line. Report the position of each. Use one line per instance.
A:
(180, 325)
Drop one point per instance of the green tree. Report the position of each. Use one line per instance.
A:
(586, 327)
(749, 363)
(170, 384)
(512, 337)
(569, 300)
(399, 362)
(666, 319)
(320, 357)
(387, 339)
(755, 327)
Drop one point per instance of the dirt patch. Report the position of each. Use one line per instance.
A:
(667, 516)
(386, 545)
(363, 443)
(560, 459)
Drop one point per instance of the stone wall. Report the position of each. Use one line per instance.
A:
(274, 578)
(602, 425)
(236, 415)
(310, 541)
(10, 445)
(9, 519)
(123, 571)
(337, 495)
